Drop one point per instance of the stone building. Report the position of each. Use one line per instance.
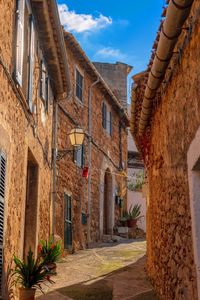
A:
(86, 207)
(165, 123)
(116, 77)
(136, 179)
(33, 74)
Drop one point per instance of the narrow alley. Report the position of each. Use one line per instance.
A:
(99, 150)
(105, 272)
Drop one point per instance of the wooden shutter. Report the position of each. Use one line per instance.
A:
(83, 157)
(42, 80)
(67, 222)
(110, 123)
(19, 41)
(31, 64)
(2, 199)
(46, 94)
(104, 115)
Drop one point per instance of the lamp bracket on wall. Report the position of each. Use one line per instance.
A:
(62, 153)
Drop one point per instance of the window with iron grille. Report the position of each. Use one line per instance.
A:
(79, 86)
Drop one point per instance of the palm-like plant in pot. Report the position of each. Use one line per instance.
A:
(134, 214)
(30, 274)
(50, 253)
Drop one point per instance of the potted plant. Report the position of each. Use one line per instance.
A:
(124, 218)
(50, 253)
(134, 214)
(30, 274)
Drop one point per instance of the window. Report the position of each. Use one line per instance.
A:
(44, 84)
(31, 62)
(67, 221)
(106, 119)
(110, 125)
(79, 156)
(104, 115)
(79, 85)
(19, 40)
(25, 48)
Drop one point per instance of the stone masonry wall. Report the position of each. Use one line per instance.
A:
(116, 77)
(69, 176)
(170, 258)
(17, 137)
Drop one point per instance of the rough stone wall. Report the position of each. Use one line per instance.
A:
(170, 259)
(17, 136)
(69, 176)
(116, 77)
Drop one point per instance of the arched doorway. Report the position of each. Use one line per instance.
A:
(107, 207)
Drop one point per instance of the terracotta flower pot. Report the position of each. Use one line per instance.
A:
(26, 294)
(132, 223)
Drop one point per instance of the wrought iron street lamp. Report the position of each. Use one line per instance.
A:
(76, 136)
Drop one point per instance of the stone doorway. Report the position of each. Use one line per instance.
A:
(107, 207)
(30, 226)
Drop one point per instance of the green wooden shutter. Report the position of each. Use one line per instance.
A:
(67, 221)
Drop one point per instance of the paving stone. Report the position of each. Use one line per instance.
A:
(117, 269)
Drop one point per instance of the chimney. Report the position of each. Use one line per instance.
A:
(115, 76)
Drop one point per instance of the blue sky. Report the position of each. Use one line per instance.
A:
(111, 31)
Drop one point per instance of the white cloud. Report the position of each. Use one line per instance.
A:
(81, 22)
(109, 52)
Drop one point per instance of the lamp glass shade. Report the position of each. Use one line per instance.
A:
(76, 137)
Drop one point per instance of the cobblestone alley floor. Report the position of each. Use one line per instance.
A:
(109, 271)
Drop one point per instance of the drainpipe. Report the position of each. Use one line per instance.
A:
(60, 36)
(54, 154)
(177, 13)
(90, 158)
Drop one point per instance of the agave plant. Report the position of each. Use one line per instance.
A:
(134, 212)
(31, 273)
